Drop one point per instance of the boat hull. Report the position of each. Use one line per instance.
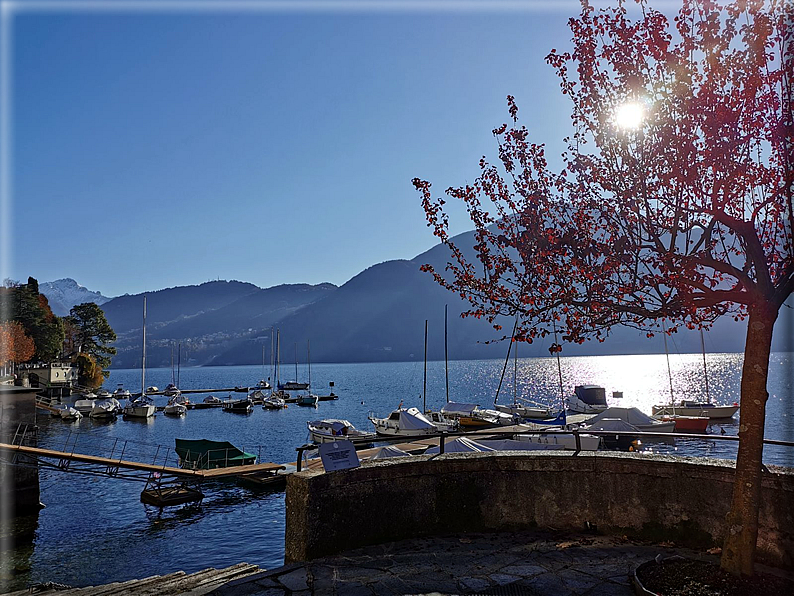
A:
(567, 440)
(699, 412)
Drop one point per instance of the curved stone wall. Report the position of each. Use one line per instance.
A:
(657, 497)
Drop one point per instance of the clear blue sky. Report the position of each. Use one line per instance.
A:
(171, 148)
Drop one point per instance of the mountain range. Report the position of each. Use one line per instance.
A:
(378, 315)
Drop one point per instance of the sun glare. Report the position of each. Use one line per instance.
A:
(629, 115)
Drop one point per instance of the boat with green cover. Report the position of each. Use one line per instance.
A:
(203, 454)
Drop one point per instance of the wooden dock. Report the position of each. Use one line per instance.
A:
(112, 464)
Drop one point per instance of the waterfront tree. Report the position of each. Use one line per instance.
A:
(673, 205)
(30, 309)
(91, 334)
(15, 345)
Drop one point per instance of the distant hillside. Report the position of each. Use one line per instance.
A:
(205, 320)
(63, 294)
(377, 316)
(165, 306)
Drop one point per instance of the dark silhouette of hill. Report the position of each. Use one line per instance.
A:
(378, 315)
(124, 313)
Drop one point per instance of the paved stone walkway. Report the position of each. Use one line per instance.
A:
(520, 563)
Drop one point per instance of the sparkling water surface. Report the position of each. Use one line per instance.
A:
(95, 529)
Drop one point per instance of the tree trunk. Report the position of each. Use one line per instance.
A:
(738, 552)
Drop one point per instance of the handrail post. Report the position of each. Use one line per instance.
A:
(441, 443)
(578, 440)
(156, 453)
(300, 458)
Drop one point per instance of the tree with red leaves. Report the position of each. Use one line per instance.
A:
(673, 206)
(15, 345)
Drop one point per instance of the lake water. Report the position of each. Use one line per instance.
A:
(95, 529)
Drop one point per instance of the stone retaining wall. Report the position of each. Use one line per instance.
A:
(684, 500)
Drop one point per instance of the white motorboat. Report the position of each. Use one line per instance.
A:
(103, 394)
(274, 402)
(263, 385)
(587, 399)
(696, 408)
(65, 412)
(441, 422)
(211, 399)
(257, 397)
(121, 393)
(106, 408)
(70, 414)
(152, 389)
(141, 407)
(330, 430)
(171, 390)
(403, 422)
(174, 408)
(566, 439)
(84, 406)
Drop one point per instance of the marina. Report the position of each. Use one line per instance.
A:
(194, 536)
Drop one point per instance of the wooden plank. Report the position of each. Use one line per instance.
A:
(133, 465)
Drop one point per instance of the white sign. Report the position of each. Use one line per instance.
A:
(339, 455)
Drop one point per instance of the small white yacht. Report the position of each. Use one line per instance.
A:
(330, 430)
(274, 402)
(121, 393)
(106, 408)
(403, 422)
(141, 407)
(587, 399)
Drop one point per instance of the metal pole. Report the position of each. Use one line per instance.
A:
(446, 353)
(424, 383)
(669, 372)
(705, 369)
(441, 443)
(143, 354)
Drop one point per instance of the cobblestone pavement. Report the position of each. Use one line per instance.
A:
(520, 563)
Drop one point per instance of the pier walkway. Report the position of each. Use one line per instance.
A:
(115, 467)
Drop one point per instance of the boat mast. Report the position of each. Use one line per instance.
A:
(424, 382)
(507, 359)
(278, 358)
(446, 353)
(178, 363)
(296, 363)
(515, 375)
(559, 365)
(309, 360)
(272, 354)
(705, 369)
(143, 355)
(669, 372)
(173, 379)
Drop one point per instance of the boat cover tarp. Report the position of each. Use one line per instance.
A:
(456, 409)
(206, 454)
(612, 424)
(460, 445)
(559, 420)
(335, 425)
(512, 445)
(630, 415)
(389, 451)
(413, 419)
(591, 394)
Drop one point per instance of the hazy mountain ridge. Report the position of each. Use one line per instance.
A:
(378, 315)
(63, 294)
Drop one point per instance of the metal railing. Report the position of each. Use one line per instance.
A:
(442, 436)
